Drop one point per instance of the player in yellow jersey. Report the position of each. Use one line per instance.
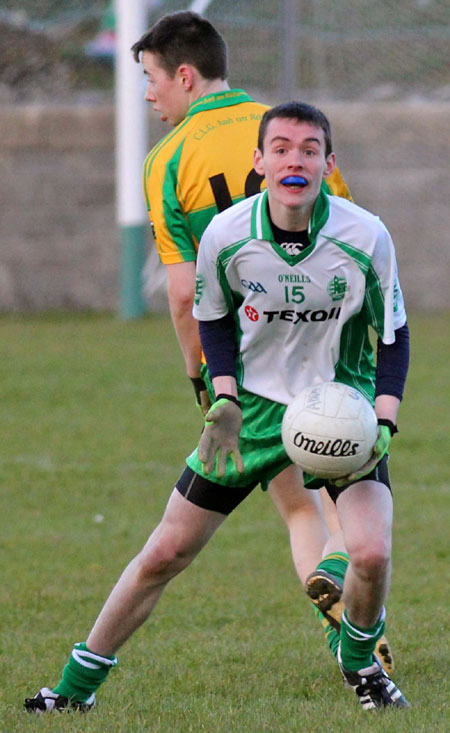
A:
(202, 166)
(205, 164)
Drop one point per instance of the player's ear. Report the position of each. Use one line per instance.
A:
(186, 74)
(330, 165)
(258, 162)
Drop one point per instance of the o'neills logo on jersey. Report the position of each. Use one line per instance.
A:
(307, 316)
(336, 448)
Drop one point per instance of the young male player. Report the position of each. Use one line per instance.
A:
(261, 350)
(264, 346)
(202, 167)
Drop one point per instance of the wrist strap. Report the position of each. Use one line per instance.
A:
(389, 424)
(229, 397)
(199, 383)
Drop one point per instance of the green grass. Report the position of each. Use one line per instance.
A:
(96, 419)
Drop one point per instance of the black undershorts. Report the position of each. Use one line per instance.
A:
(217, 498)
(209, 495)
(380, 473)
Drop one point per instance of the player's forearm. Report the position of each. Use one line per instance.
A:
(392, 364)
(181, 289)
(218, 342)
(218, 339)
(225, 385)
(386, 407)
(186, 328)
(392, 369)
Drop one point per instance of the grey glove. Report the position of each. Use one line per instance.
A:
(221, 435)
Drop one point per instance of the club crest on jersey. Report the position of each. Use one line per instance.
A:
(251, 313)
(337, 287)
(199, 288)
(254, 287)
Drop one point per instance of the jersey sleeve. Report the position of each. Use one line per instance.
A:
(384, 298)
(173, 238)
(209, 301)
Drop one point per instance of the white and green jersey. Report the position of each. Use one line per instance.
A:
(301, 319)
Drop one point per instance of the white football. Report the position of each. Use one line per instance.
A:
(329, 430)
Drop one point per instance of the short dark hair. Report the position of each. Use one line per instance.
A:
(186, 38)
(301, 112)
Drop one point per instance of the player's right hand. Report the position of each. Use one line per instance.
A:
(201, 395)
(220, 437)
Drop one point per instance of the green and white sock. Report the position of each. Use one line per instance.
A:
(358, 644)
(331, 635)
(83, 673)
(336, 564)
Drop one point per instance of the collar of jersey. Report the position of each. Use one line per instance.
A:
(262, 229)
(218, 99)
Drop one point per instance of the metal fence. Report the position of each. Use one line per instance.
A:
(334, 49)
(340, 49)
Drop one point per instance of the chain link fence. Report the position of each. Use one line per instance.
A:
(316, 49)
(351, 49)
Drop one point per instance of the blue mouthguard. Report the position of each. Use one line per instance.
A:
(294, 181)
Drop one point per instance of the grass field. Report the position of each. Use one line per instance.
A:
(96, 419)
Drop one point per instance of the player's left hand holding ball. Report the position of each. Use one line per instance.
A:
(221, 435)
(386, 430)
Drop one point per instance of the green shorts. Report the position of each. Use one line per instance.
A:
(263, 452)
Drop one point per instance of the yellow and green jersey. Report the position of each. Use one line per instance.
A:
(203, 166)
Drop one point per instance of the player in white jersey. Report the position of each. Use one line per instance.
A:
(274, 319)
(297, 316)
(205, 493)
(292, 276)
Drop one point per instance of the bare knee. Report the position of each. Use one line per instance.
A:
(184, 529)
(162, 559)
(370, 560)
